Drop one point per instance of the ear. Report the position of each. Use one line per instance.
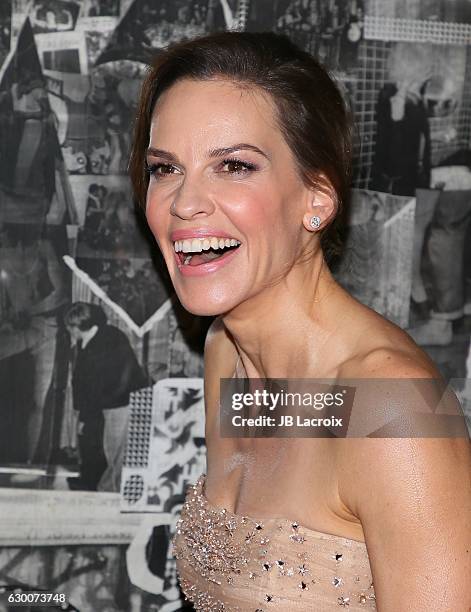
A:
(321, 206)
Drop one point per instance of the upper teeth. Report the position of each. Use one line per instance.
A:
(196, 245)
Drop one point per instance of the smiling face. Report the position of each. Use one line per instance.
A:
(225, 201)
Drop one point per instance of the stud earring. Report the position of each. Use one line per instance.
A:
(315, 222)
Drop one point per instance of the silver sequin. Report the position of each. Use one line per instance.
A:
(221, 549)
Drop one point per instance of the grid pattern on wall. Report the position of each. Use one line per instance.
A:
(139, 428)
(448, 11)
(371, 75)
(417, 30)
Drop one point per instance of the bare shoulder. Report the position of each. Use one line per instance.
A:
(401, 402)
(387, 351)
(405, 490)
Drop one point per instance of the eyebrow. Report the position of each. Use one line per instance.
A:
(212, 153)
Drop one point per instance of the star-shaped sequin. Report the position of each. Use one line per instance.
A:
(298, 538)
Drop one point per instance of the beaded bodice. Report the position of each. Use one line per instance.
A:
(229, 562)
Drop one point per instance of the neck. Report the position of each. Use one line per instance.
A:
(285, 330)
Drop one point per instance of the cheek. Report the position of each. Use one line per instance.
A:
(268, 211)
(251, 206)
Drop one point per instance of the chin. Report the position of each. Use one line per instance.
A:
(205, 306)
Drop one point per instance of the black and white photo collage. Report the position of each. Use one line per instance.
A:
(76, 255)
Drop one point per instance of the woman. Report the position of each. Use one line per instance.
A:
(241, 158)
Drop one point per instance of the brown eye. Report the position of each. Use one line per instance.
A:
(164, 169)
(159, 169)
(236, 166)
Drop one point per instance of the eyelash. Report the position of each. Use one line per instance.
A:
(248, 167)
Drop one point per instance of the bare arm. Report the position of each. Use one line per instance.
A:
(413, 498)
(414, 503)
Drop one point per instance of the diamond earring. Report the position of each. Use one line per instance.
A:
(315, 222)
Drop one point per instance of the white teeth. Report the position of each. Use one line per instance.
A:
(187, 260)
(196, 245)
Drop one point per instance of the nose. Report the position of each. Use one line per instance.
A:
(191, 200)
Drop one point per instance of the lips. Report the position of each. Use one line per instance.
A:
(199, 252)
(206, 268)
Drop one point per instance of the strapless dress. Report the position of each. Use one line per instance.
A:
(233, 563)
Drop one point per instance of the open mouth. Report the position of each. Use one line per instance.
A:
(198, 251)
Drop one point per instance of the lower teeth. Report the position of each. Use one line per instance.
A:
(187, 260)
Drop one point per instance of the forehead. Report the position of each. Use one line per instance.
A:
(211, 111)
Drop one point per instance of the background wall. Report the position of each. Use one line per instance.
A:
(70, 73)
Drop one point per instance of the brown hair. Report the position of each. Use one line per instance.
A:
(312, 114)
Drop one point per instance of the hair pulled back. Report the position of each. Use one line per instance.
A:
(311, 112)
